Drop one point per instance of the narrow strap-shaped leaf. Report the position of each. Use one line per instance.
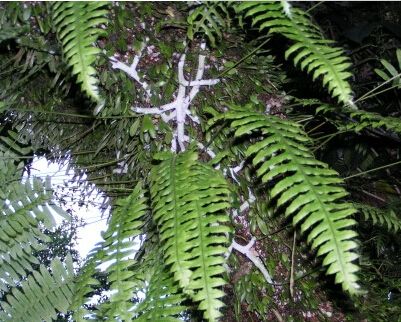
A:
(307, 189)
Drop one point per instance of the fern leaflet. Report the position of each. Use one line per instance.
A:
(391, 72)
(209, 18)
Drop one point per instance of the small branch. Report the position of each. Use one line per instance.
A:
(253, 256)
(131, 71)
(293, 265)
(278, 315)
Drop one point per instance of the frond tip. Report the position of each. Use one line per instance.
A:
(313, 52)
(76, 24)
(305, 187)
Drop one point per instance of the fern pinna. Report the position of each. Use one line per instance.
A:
(304, 187)
(209, 18)
(313, 52)
(76, 24)
(189, 201)
(163, 296)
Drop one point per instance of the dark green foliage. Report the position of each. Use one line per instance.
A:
(256, 175)
(210, 19)
(381, 217)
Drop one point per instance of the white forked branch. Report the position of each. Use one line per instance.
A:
(178, 110)
(253, 256)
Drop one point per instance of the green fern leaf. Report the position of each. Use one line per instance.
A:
(76, 23)
(42, 295)
(189, 201)
(356, 120)
(312, 52)
(84, 284)
(163, 301)
(380, 217)
(119, 248)
(209, 18)
(24, 208)
(391, 72)
(305, 187)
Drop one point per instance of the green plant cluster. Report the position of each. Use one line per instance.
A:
(258, 166)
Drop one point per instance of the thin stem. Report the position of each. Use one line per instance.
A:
(242, 59)
(384, 90)
(372, 170)
(75, 115)
(315, 128)
(315, 6)
(376, 88)
(323, 143)
(105, 164)
(333, 134)
(306, 119)
(292, 282)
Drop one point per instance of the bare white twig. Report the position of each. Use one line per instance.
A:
(253, 256)
(131, 70)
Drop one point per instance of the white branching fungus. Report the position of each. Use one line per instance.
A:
(131, 71)
(253, 256)
(178, 110)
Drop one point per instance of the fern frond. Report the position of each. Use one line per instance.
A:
(209, 18)
(163, 297)
(308, 190)
(119, 248)
(313, 52)
(380, 217)
(84, 284)
(358, 120)
(76, 24)
(42, 295)
(189, 201)
(366, 119)
(25, 207)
